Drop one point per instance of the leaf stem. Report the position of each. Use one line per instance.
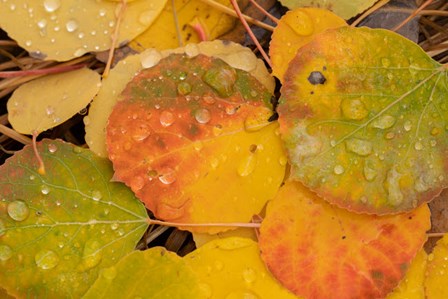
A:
(435, 235)
(51, 70)
(412, 15)
(176, 24)
(41, 169)
(374, 8)
(251, 34)
(14, 135)
(227, 224)
(264, 11)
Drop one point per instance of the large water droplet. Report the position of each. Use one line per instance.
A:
(44, 189)
(92, 253)
(109, 273)
(393, 187)
(166, 118)
(141, 132)
(418, 145)
(338, 169)
(5, 253)
(96, 195)
(18, 210)
(359, 146)
(52, 5)
(369, 173)
(46, 259)
(167, 176)
(137, 183)
(249, 275)
(247, 165)
(52, 148)
(353, 109)
(221, 79)
(202, 116)
(383, 122)
(71, 25)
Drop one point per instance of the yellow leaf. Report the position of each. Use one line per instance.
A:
(202, 238)
(49, 101)
(232, 268)
(436, 285)
(411, 287)
(162, 33)
(234, 54)
(62, 29)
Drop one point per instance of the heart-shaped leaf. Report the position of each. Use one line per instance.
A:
(365, 127)
(153, 273)
(232, 268)
(46, 102)
(189, 128)
(317, 250)
(295, 29)
(64, 29)
(59, 229)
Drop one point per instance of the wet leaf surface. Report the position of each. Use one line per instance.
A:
(234, 54)
(232, 268)
(58, 230)
(365, 127)
(295, 29)
(60, 97)
(153, 273)
(187, 129)
(436, 271)
(317, 250)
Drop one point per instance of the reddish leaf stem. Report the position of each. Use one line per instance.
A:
(41, 169)
(264, 11)
(229, 224)
(412, 15)
(51, 70)
(249, 31)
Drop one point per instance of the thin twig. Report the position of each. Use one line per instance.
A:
(374, 8)
(229, 224)
(264, 11)
(176, 24)
(52, 70)
(251, 34)
(412, 15)
(14, 135)
(229, 11)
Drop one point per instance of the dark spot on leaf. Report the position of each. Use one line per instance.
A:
(312, 92)
(273, 117)
(324, 68)
(253, 148)
(316, 78)
(343, 237)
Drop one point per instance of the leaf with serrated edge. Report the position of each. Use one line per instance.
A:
(295, 29)
(232, 268)
(64, 29)
(46, 102)
(147, 274)
(317, 250)
(343, 8)
(436, 286)
(411, 287)
(59, 229)
(234, 54)
(363, 116)
(189, 128)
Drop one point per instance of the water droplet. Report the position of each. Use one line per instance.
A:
(146, 17)
(42, 24)
(301, 23)
(96, 195)
(49, 110)
(77, 149)
(202, 116)
(393, 187)
(385, 62)
(184, 88)
(150, 58)
(338, 169)
(81, 36)
(141, 132)
(5, 253)
(231, 110)
(2, 228)
(137, 183)
(217, 130)
(28, 43)
(353, 109)
(52, 148)
(12, 7)
(18, 210)
(359, 146)
(214, 163)
(197, 145)
(221, 79)
(435, 131)
(52, 5)
(79, 52)
(283, 160)
(114, 226)
(369, 173)
(383, 122)
(102, 12)
(166, 118)
(433, 142)
(109, 273)
(418, 145)
(249, 275)
(389, 135)
(46, 259)
(92, 253)
(247, 165)
(71, 25)
(167, 176)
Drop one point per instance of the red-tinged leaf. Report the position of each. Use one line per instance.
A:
(59, 229)
(363, 116)
(317, 250)
(191, 137)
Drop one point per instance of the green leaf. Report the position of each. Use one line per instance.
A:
(154, 273)
(59, 229)
(364, 116)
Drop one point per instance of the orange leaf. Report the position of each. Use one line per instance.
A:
(192, 139)
(320, 251)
